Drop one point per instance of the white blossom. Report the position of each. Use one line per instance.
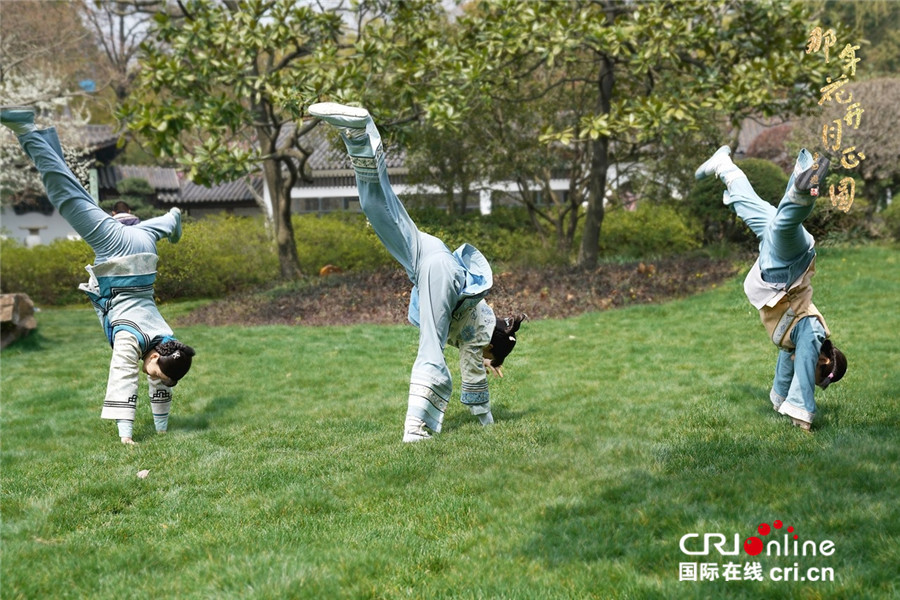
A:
(55, 106)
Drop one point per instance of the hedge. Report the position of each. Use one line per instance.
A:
(651, 230)
(223, 254)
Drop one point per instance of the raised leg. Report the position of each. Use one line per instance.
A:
(165, 226)
(788, 238)
(388, 216)
(106, 236)
(755, 212)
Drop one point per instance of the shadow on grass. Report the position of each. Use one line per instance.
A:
(604, 525)
(463, 417)
(215, 409)
(753, 393)
(32, 342)
(711, 473)
(630, 533)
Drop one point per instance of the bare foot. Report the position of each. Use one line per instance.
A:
(128, 441)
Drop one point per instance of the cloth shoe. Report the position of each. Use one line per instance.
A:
(18, 119)
(776, 399)
(340, 115)
(808, 181)
(358, 131)
(483, 412)
(808, 175)
(801, 424)
(414, 430)
(713, 165)
(486, 419)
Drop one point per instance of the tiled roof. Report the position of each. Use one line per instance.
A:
(328, 162)
(164, 181)
(96, 137)
(234, 191)
(159, 177)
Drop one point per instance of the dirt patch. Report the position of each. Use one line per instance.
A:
(383, 296)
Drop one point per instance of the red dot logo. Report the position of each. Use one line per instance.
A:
(777, 524)
(753, 546)
(763, 529)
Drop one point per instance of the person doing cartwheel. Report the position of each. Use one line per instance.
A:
(447, 299)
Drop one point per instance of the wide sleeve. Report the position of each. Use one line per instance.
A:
(122, 385)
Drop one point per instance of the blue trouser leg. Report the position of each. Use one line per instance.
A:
(392, 224)
(784, 373)
(755, 212)
(808, 336)
(786, 235)
(780, 230)
(106, 236)
(65, 192)
(784, 244)
(437, 275)
(439, 283)
(157, 228)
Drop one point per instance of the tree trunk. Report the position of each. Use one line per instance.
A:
(451, 202)
(593, 219)
(590, 241)
(288, 260)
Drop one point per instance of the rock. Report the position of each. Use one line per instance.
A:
(16, 318)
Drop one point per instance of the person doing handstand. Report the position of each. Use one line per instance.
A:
(121, 282)
(778, 285)
(447, 300)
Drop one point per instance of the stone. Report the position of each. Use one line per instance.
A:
(16, 318)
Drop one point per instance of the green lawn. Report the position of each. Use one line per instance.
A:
(617, 434)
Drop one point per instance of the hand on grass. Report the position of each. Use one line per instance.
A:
(498, 371)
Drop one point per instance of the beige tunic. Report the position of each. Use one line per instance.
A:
(781, 309)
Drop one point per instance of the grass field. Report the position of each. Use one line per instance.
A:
(617, 434)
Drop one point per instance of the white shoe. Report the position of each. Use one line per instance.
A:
(486, 419)
(414, 431)
(722, 157)
(340, 115)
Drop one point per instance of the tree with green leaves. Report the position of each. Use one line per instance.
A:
(225, 89)
(614, 81)
(873, 25)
